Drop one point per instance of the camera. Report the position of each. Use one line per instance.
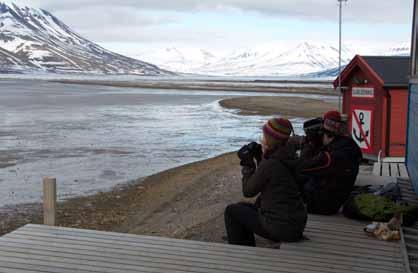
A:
(250, 152)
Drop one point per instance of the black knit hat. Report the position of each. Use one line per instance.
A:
(313, 124)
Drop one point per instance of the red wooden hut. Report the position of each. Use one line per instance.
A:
(375, 99)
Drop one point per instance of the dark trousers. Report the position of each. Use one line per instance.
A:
(241, 223)
(318, 202)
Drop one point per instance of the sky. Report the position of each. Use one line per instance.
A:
(129, 26)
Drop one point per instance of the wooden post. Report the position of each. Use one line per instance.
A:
(50, 200)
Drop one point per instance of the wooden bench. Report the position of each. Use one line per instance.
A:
(390, 169)
(335, 245)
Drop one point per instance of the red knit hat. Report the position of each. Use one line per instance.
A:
(333, 122)
(278, 128)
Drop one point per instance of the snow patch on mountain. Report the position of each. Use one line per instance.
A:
(277, 60)
(35, 40)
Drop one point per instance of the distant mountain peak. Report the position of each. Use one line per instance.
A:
(304, 58)
(35, 40)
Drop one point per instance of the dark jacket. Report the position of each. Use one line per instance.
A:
(308, 147)
(332, 174)
(281, 209)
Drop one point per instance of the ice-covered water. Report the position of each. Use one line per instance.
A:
(92, 137)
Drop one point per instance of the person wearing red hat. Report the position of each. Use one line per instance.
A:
(279, 213)
(331, 174)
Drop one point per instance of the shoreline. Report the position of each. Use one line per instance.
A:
(255, 87)
(136, 207)
(279, 106)
(185, 202)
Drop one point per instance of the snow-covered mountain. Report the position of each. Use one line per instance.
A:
(267, 61)
(403, 49)
(35, 40)
(306, 58)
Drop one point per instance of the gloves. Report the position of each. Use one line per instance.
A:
(249, 152)
(258, 153)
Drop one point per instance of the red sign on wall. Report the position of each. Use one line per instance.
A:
(362, 128)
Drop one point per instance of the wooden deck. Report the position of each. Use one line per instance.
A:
(394, 169)
(336, 245)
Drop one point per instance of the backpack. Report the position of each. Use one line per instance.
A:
(378, 203)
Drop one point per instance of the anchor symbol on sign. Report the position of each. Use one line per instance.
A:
(359, 137)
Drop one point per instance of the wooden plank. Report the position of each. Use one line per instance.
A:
(393, 160)
(358, 237)
(246, 267)
(341, 229)
(187, 251)
(408, 230)
(156, 240)
(341, 240)
(377, 169)
(129, 237)
(50, 200)
(405, 187)
(329, 252)
(394, 170)
(329, 244)
(14, 270)
(135, 258)
(385, 169)
(338, 239)
(314, 220)
(403, 171)
(405, 252)
(334, 220)
(93, 265)
(161, 264)
(97, 264)
(302, 247)
(134, 244)
(26, 268)
(62, 267)
(343, 236)
(210, 258)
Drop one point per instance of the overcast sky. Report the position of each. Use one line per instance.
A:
(130, 25)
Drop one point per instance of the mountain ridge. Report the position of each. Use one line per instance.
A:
(34, 40)
(306, 58)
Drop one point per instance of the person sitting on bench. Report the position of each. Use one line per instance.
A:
(331, 174)
(279, 213)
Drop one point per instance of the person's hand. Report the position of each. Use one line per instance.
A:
(248, 153)
(258, 153)
(248, 163)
